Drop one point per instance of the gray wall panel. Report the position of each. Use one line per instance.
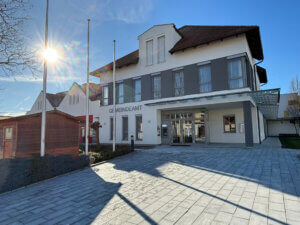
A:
(219, 74)
(191, 79)
(167, 84)
(146, 87)
(110, 93)
(248, 123)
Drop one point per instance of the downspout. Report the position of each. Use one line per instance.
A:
(257, 112)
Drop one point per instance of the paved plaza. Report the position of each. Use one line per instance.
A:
(169, 185)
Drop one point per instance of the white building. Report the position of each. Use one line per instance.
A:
(188, 85)
(73, 102)
(283, 123)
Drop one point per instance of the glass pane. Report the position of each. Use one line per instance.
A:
(199, 131)
(137, 89)
(205, 87)
(167, 116)
(176, 131)
(187, 131)
(139, 128)
(178, 83)
(205, 74)
(236, 83)
(156, 87)
(161, 49)
(235, 68)
(8, 133)
(149, 49)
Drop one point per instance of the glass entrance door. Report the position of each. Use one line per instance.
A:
(176, 131)
(187, 126)
(199, 131)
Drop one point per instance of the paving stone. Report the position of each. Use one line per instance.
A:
(168, 185)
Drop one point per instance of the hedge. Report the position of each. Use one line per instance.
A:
(19, 172)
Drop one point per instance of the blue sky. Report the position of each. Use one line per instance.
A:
(124, 20)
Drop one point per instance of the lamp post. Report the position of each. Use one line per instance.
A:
(43, 128)
(87, 92)
(49, 55)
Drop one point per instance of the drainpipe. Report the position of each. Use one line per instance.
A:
(257, 112)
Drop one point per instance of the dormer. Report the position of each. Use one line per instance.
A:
(155, 43)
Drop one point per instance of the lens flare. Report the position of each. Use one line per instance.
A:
(50, 55)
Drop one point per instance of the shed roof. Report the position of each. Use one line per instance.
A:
(55, 111)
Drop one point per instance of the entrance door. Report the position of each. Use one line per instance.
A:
(199, 131)
(176, 131)
(187, 126)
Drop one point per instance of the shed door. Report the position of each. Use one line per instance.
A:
(7, 142)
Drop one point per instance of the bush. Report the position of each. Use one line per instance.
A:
(19, 172)
(99, 153)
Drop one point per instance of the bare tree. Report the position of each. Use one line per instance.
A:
(16, 58)
(293, 107)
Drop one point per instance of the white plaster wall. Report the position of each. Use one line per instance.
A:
(254, 125)
(229, 46)
(78, 109)
(35, 109)
(262, 127)
(152, 118)
(216, 127)
(276, 127)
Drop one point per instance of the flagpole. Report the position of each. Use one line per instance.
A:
(87, 92)
(114, 97)
(43, 128)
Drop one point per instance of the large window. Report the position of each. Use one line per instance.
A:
(8, 133)
(156, 87)
(120, 93)
(149, 52)
(161, 49)
(139, 127)
(111, 128)
(236, 74)
(205, 78)
(229, 124)
(105, 95)
(125, 128)
(137, 90)
(178, 83)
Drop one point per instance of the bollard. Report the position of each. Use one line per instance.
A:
(132, 143)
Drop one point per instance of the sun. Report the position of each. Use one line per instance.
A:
(50, 55)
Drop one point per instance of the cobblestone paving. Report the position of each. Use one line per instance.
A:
(169, 185)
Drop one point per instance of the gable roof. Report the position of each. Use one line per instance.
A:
(55, 99)
(131, 58)
(193, 36)
(94, 92)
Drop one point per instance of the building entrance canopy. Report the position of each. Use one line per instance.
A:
(267, 101)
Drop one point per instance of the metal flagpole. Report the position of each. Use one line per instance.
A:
(114, 97)
(43, 128)
(87, 92)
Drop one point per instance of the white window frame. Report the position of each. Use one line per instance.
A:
(137, 93)
(104, 97)
(159, 60)
(205, 83)
(242, 75)
(119, 95)
(147, 53)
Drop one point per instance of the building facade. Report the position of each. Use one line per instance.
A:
(186, 85)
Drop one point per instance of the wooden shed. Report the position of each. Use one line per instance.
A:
(21, 136)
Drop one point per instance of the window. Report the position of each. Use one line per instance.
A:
(149, 52)
(74, 99)
(105, 95)
(178, 83)
(120, 93)
(139, 127)
(156, 87)
(229, 124)
(77, 99)
(125, 128)
(111, 128)
(205, 78)
(236, 74)
(137, 90)
(82, 132)
(161, 49)
(8, 133)
(70, 99)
